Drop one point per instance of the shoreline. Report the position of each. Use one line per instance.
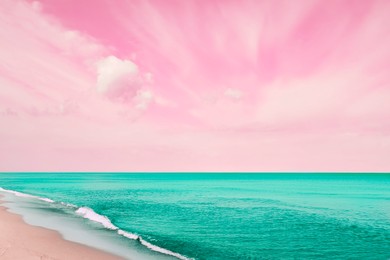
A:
(19, 240)
(119, 244)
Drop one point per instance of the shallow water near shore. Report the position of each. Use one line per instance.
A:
(212, 216)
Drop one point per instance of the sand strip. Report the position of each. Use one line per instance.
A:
(18, 240)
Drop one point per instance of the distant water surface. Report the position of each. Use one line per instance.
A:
(232, 216)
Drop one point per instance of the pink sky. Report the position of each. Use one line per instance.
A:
(206, 85)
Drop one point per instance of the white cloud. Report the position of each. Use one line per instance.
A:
(122, 81)
(118, 79)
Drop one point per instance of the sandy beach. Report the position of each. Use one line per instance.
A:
(19, 240)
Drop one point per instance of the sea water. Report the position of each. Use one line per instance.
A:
(211, 216)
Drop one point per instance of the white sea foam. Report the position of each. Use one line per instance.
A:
(88, 213)
(150, 245)
(162, 250)
(127, 234)
(46, 199)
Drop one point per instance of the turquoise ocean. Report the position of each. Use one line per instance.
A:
(210, 216)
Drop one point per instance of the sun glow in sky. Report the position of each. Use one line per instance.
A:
(197, 85)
